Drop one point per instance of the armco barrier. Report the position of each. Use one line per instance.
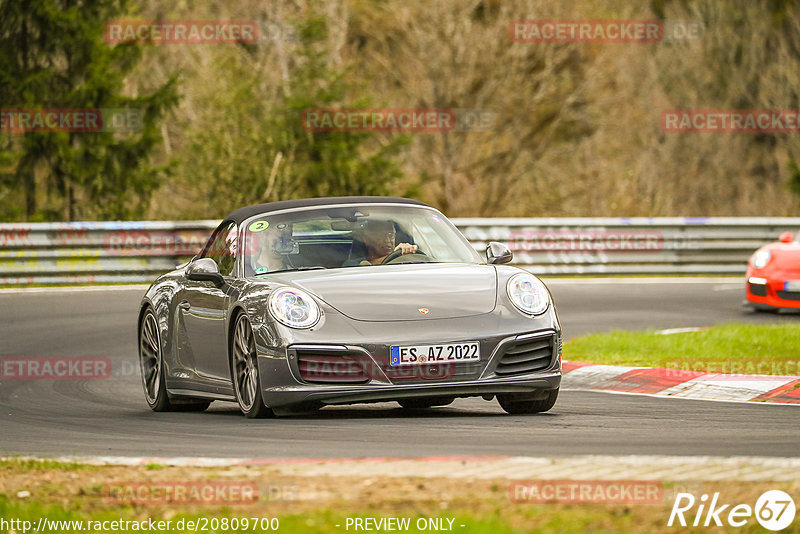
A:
(100, 252)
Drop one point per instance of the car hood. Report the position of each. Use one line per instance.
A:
(405, 292)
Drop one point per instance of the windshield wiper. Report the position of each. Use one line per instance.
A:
(306, 268)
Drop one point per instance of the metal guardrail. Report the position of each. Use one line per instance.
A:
(105, 252)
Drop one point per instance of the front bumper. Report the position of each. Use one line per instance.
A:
(768, 291)
(283, 386)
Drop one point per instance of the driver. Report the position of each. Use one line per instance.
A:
(379, 239)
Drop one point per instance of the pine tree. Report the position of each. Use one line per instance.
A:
(53, 56)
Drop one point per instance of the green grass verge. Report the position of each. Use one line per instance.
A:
(16, 464)
(501, 519)
(728, 348)
(32, 490)
(536, 518)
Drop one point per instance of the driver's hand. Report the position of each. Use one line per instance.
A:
(406, 248)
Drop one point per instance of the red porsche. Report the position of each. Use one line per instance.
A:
(773, 275)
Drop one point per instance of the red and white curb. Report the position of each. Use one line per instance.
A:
(682, 384)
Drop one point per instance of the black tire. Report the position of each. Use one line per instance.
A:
(151, 364)
(425, 402)
(757, 307)
(517, 404)
(151, 368)
(244, 370)
(770, 310)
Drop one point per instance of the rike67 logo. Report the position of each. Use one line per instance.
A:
(774, 510)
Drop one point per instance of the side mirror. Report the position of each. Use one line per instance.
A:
(498, 253)
(204, 270)
(786, 237)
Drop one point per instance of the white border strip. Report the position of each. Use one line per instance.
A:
(74, 289)
(700, 399)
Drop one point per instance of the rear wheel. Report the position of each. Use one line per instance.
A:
(426, 402)
(518, 404)
(246, 382)
(151, 365)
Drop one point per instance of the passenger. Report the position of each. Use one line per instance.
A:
(267, 258)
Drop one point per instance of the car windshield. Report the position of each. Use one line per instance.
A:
(351, 236)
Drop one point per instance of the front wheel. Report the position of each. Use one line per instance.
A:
(244, 369)
(517, 404)
(151, 364)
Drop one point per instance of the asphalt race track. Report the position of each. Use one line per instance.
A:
(110, 417)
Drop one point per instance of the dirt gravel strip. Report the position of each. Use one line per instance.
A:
(593, 467)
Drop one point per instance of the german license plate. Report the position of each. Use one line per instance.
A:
(791, 286)
(469, 351)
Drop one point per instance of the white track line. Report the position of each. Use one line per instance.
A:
(591, 376)
(699, 399)
(721, 387)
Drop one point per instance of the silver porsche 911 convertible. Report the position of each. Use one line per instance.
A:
(299, 304)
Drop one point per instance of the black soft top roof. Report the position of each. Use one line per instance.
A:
(240, 215)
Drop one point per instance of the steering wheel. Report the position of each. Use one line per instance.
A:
(397, 253)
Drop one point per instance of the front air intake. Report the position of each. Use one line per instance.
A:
(788, 295)
(527, 355)
(330, 366)
(759, 290)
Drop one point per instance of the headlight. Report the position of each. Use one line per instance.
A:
(761, 259)
(294, 308)
(528, 294)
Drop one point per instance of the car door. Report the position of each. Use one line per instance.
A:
(203, 309)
